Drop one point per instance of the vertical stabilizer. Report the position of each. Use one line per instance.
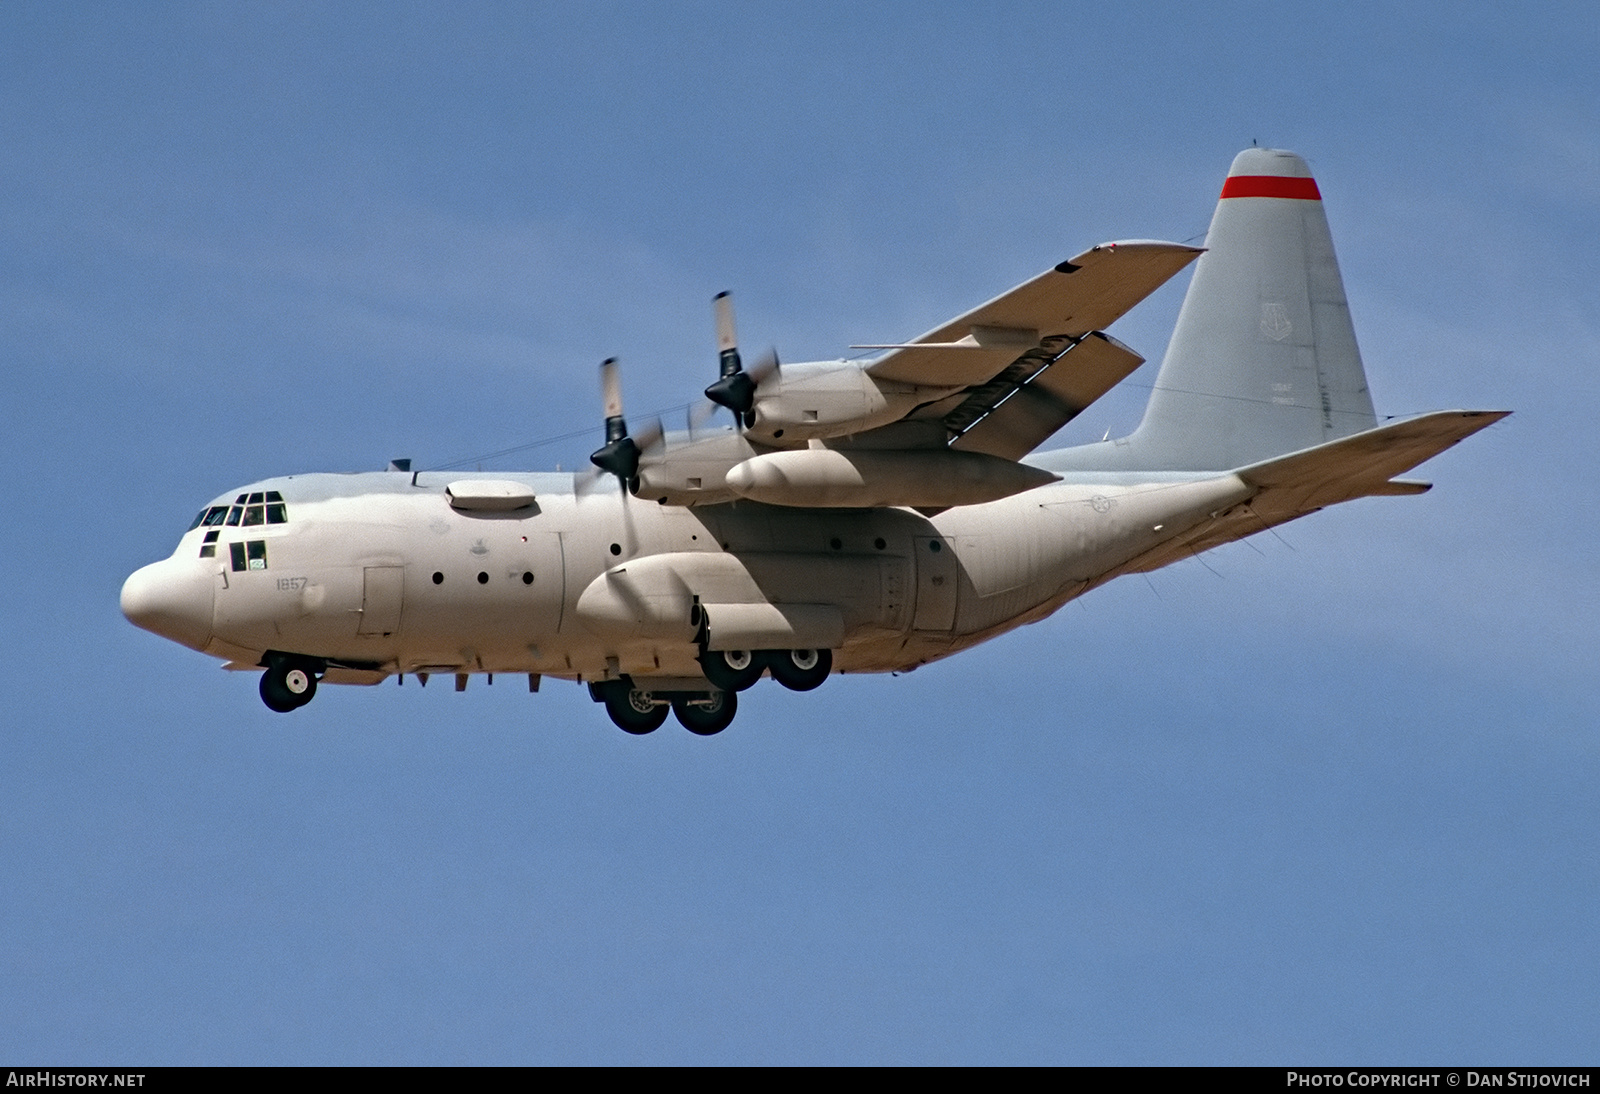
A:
(1263, 360)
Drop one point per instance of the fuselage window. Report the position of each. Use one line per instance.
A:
(251, 555)
(208, 549)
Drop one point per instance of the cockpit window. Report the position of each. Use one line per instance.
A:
(249, 510)
(209, 517)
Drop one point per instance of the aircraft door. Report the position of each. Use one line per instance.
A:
(544, 611)
(381, 600)
(936, 585)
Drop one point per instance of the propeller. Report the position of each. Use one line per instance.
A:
(621, 453)
(735, 388)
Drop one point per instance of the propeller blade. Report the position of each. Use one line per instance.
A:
(699, 413)
(765, 366)
(630, 536)
(611, 388)
(651, 438)
(585, 482)
(727, 342)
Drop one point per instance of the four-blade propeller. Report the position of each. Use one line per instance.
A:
(736, 387)
(620, 454)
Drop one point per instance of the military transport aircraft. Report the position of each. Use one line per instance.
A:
(859, 516)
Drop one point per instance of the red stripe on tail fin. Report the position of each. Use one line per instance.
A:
(1271, 186)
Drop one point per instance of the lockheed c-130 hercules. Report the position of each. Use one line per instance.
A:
(859, 516)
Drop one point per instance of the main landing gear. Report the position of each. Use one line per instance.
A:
(638, 711)
(288, 684)
(736, 670)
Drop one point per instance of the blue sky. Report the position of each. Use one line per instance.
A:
(1327, 798)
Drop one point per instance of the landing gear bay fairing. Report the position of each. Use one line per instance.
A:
(859, 516)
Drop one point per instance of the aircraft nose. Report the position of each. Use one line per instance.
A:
(171, 600)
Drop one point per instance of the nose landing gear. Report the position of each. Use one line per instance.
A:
(288, 685)
(635, 710)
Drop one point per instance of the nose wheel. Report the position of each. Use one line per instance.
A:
(287, 686)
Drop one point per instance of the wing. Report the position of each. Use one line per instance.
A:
(1030, 360)
(1015, 412)
(1087, 293)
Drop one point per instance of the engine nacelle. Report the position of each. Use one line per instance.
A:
(864, 478)
(820, 399)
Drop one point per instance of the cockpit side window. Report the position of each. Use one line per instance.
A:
(251, 555)
(209, 517)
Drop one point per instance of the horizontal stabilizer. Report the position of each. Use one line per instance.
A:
(1360, 466)
(1363, 464)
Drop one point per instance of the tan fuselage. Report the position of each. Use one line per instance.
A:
(396, 580)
